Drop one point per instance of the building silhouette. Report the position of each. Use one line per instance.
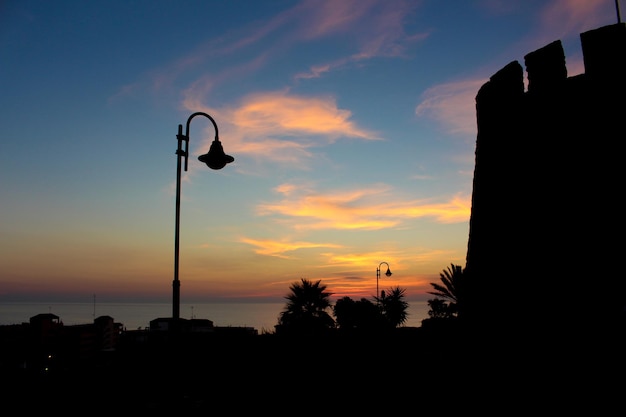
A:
(544, 249)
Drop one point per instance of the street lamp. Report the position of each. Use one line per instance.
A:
(388, 273)
(215, 159)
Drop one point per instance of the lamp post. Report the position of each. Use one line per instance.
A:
(215, 159)
(388, 273)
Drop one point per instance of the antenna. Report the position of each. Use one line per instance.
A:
(94, 307)
(619, 17)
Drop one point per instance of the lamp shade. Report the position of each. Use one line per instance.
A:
(216, 158)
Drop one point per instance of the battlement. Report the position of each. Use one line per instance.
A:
(546, 174)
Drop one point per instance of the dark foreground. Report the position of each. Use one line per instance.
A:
(407, 371)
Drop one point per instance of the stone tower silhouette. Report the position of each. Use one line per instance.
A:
(545, 239)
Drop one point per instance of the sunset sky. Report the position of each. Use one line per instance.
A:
(352, 124)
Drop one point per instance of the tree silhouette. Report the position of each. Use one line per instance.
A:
(452, 289)
(439, 309)
(394, 307)
(357, 315)
(305, 311)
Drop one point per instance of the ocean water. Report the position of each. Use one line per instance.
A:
(133, 316)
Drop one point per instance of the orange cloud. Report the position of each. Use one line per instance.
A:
(281, 114)
(357, 260)
(280, 127)
(356, 209)
(278, 248)
(454, 211)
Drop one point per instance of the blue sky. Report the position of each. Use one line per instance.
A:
(352, 124)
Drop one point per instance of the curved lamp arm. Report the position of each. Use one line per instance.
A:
(215, 158)
(388, 273)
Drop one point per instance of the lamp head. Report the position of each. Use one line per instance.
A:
(216, 158)
(388, 273)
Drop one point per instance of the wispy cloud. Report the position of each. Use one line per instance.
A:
(358, 209)
(280, 248)
(452, 105)
(557, 19)
(375, 28)
(567, 18)
(384, 36)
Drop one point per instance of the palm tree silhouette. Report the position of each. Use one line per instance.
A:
(305, 311)
(452, 289)
(394, 307)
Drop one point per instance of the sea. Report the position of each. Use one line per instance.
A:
(262, 316)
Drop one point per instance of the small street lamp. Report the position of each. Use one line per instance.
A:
(388, 273)
(215, 159)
